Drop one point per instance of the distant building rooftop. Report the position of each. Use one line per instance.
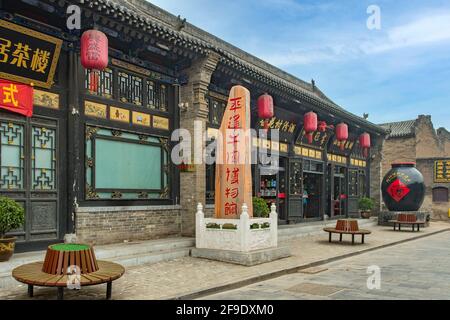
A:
(400, 129)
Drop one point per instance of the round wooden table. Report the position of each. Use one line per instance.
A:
(55, 271)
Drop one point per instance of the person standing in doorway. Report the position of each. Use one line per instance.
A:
(305, 201)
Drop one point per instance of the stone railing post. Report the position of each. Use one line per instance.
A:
(244, 228)
(273, 225)
(199, 226)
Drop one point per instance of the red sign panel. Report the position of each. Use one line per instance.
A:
(16, 97)
(398, 190)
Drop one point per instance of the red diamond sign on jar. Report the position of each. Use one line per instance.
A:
(398, 190)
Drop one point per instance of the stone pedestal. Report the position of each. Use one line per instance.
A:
(385, 216)
(250, 258)
(242, 241)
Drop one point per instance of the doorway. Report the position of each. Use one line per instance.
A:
(339, 192)
(312, 189)
(312, 186)
(31, 175)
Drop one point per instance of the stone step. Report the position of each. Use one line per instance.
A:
(140, 259)
(288, 232)
(115, 251)
(128, 254)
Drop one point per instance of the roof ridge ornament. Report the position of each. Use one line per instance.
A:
(181, 23)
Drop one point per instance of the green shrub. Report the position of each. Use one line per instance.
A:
(254, 226)
(366, 204)
(229, 226)
(260, 208)
(213, 226)
(265, 225)
(12, 215)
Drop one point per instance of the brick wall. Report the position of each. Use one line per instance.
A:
(439, 209)
(193, 184)
(105, 225)
(398, 150)
(427, 143)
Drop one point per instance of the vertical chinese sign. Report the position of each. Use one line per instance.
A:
(233, 160)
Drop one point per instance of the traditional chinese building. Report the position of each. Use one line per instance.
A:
(417, 140)
(95, 159)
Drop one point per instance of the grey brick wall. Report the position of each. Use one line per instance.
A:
(106, 225)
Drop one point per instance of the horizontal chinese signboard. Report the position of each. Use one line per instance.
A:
(27, 56)
(16, 97)
(442, 171)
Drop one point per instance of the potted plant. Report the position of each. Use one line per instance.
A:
(260, 208)
(12, 216)
(365, 207)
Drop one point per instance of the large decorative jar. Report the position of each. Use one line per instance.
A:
(403, 188)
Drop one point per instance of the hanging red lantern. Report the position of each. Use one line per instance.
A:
(342, 134)
(322, 126)
(310, 125)
(364, 142)
(265, 109)
(94, 55)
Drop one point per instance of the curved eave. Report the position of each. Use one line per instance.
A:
(146, 24)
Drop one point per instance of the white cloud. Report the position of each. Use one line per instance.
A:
(432, 29)
(421, 32)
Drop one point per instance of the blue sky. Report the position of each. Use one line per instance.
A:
(394, 73)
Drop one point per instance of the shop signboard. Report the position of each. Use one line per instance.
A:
(442, 171)
(27, 56)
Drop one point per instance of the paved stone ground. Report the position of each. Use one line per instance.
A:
(184, 276)
(417, 269)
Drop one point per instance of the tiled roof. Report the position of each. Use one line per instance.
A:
(152, 19)
(400, 128)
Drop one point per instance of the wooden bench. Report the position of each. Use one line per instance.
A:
(55, 271)
(347, 227)
(407, 219)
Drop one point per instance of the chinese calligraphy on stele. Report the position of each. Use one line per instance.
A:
(233, 174)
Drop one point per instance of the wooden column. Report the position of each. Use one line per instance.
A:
(75, 137)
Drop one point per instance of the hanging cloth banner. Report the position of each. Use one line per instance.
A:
(233, 160)
(16, 97)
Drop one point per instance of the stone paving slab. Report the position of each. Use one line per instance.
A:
(406, 270)
(188, 277)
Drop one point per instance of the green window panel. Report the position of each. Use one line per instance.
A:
(11, 156)
(125, 165)
(122, 165)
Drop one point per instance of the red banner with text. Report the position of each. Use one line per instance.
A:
(16, 97)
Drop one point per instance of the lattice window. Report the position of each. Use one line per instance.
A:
(353, 182)
(216, 111)
(11, 156)
(43, 158)
(157, 96)
(102, 85)
(130, 88)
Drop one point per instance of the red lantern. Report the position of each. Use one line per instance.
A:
(94, 54)
(364, 142)
(322, 126)
(310, 125)
(265, 109)
(342, 134)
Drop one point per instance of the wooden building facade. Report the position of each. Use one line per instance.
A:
(97, 162)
